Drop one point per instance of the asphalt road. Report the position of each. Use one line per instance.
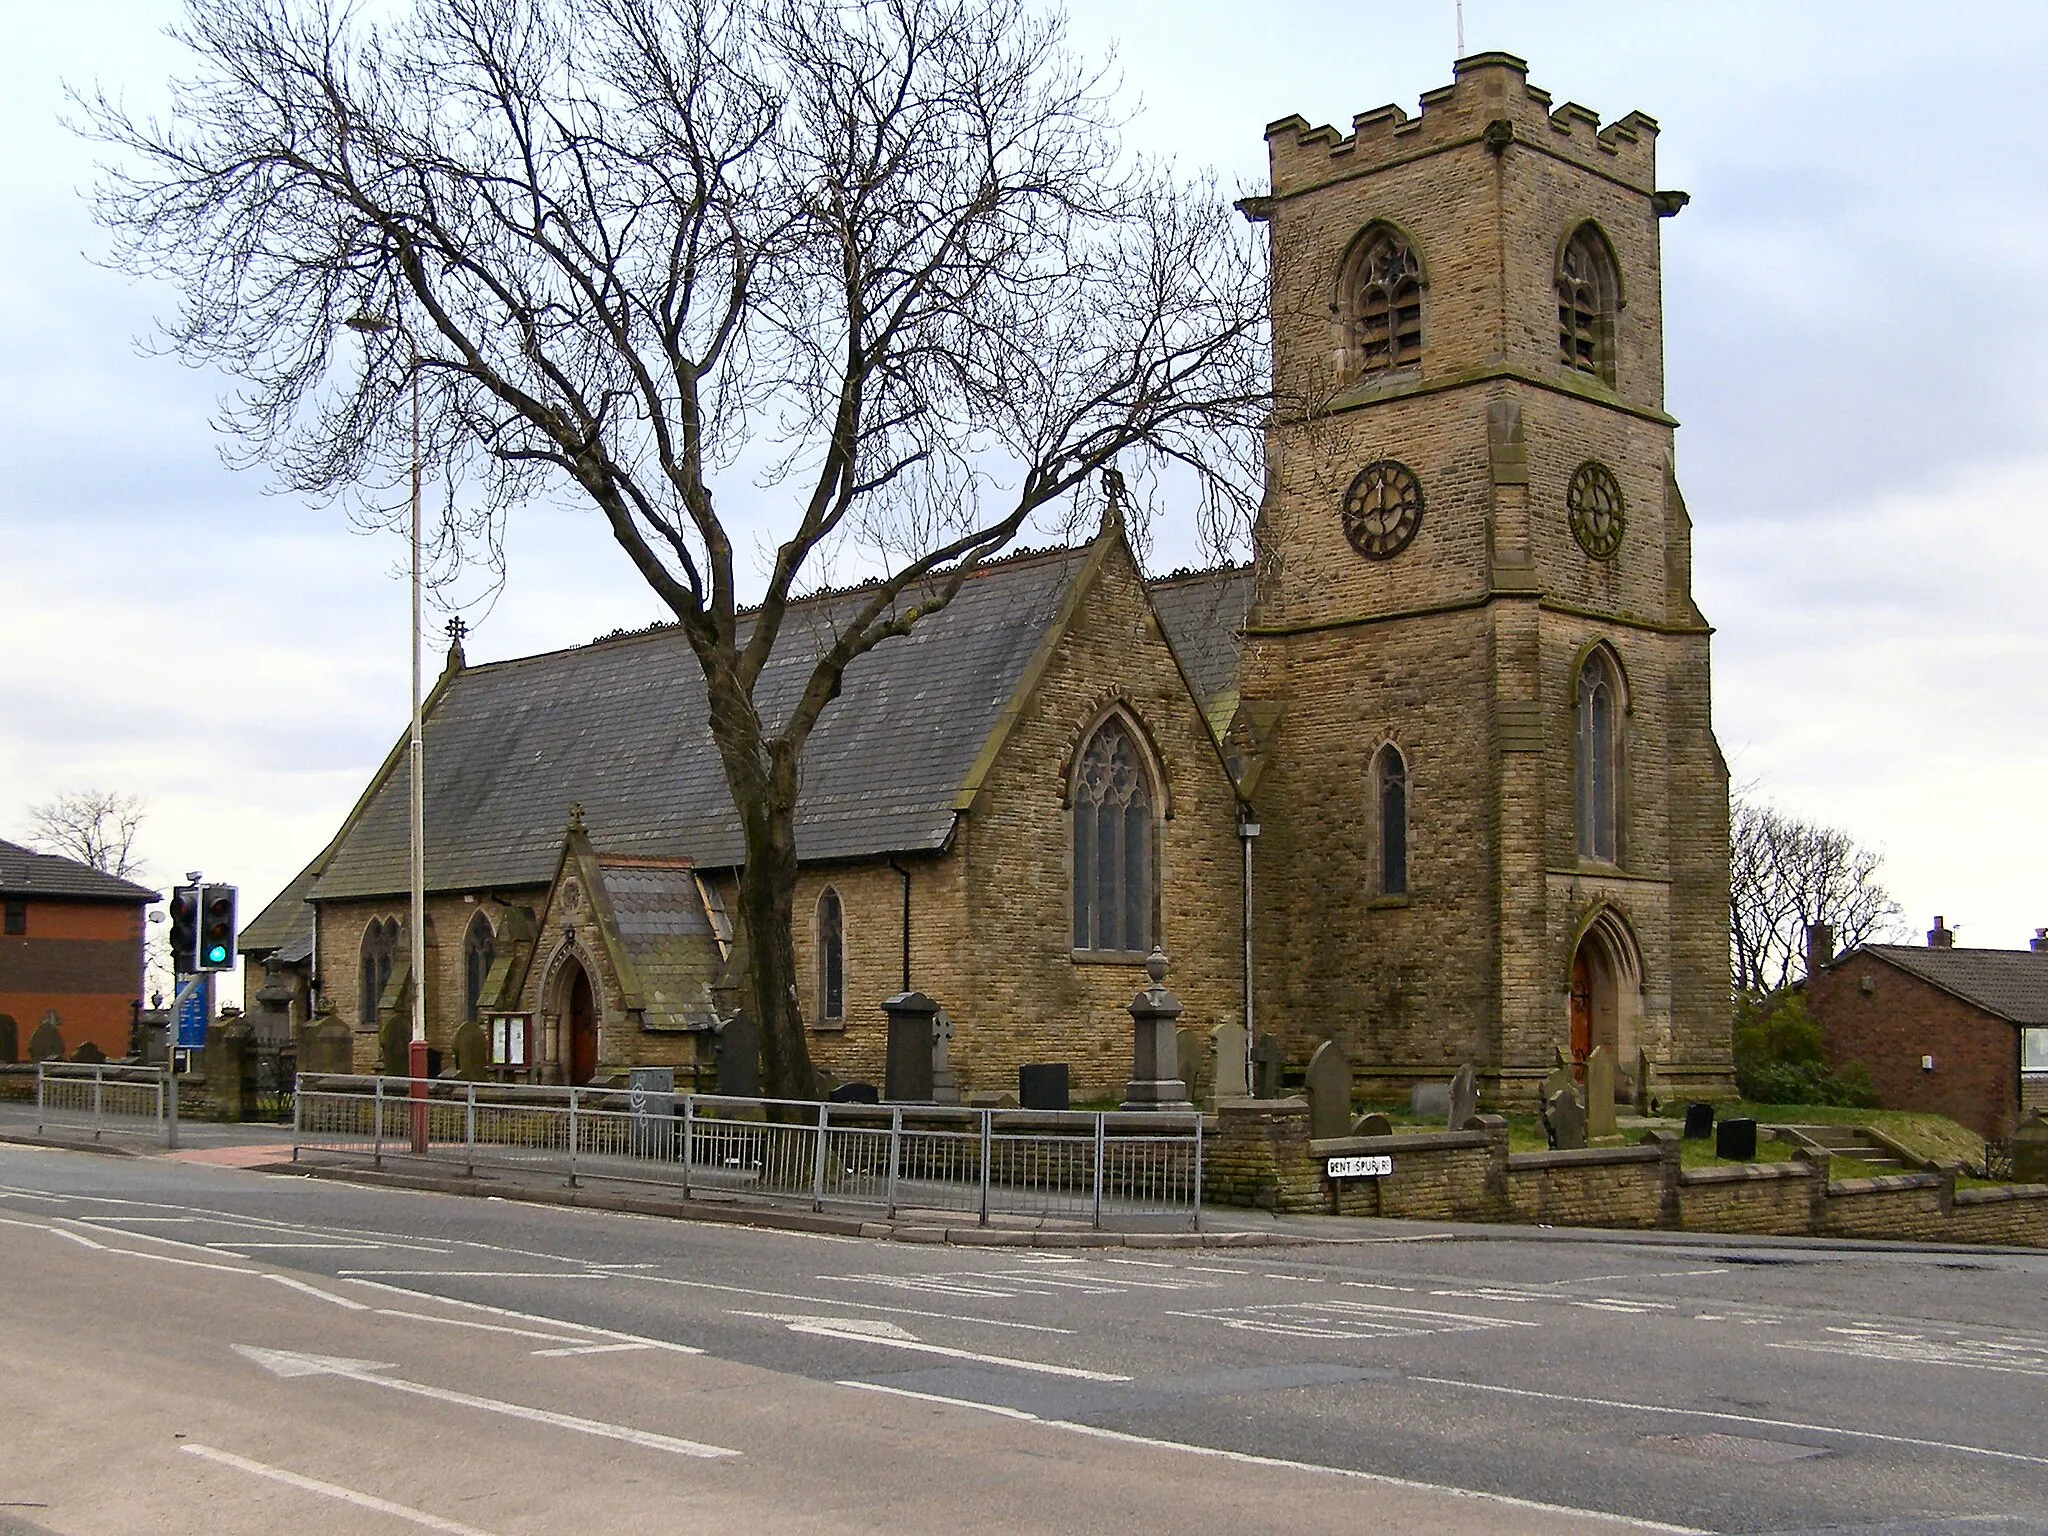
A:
(193, 1348)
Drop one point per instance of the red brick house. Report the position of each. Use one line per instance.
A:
(70, 944)
(1956, 1032)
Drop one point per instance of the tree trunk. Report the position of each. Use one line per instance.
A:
(767, 897)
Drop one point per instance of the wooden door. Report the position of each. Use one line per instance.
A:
(1582, 1012)
(582, 1029)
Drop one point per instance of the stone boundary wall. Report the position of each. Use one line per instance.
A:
(1260, 1154)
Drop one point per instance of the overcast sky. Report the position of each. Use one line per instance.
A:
(1855, 310)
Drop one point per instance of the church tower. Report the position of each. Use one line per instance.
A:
(1475, 688)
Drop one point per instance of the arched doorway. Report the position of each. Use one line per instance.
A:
(1606, 996)
(580, 1013)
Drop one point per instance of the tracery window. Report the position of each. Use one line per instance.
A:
(831, 956)
(1383, 303)
(1599, 759)
(479, 949)
(1390, 772)
(1588, 294)
(1113, 837)
(379, 955)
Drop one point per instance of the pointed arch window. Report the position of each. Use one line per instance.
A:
(479, 950)
(1383, 303)
(379, 955)
(1588, 295)
(1113, 845)
(1600, 712)
(1390, 782)
(831, 957)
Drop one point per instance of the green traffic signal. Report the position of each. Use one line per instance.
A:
(217, 935)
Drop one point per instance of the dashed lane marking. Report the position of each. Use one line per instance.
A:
(329, 1490)
(1338, 1319)
(890, 1336)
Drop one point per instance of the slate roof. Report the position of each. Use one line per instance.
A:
(24, 872)
(285, 927)
(1202, 615)
(667, 938)
(2011, 983)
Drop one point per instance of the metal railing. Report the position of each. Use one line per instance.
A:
(982, 1163)
(106, 1098)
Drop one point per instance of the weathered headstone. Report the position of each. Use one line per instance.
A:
(1600, 1119)
(47, 1043)
(1699, 1122)
(739, 1057)
(1155, 1081)
(1430, 1101)
(327, 1044)
(90, 1054)
(1191, 1051)
(472, 1052)
(945, 1081)
(394, 1041)
(1374, 1124)
(907, 1071)
(1329, 1091)
(1226, 1050)
(1043, 1085)
(1269, 1062)
(1464, 1098)
(991, 1101)
(1565, 1118)
(1649, 1092)
(1558, 1079)
(10, 1040)
(1735, 1141)
(2030, 1150)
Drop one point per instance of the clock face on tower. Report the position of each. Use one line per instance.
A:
(1382, 508)
(1597, 516)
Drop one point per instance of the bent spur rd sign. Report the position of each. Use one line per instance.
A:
(1378, 1166)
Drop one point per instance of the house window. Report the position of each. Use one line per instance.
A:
(1383, 300)
(1599, 759)
(1391, 774)
(2034, 1050)
(1113, 878)
(479, 949)
(1588, 294)
(379, 954)
(17, 919)
(831, 957)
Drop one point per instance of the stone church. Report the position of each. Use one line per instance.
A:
(1433, 776)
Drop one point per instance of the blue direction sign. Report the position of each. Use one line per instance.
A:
(192, 1005)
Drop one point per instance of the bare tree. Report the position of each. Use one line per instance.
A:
(1787, 874)
(894, 249)
(93, 826)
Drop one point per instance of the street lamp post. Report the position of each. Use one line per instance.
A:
(416, 1051)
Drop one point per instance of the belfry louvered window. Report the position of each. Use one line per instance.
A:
(1113, 852)
(1385, 303)
(1588, 293)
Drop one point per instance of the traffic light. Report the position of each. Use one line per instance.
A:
(217, 928)
(185, 929)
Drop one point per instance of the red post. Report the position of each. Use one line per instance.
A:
(416, 1069)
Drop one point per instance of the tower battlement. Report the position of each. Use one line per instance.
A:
(1489, 100)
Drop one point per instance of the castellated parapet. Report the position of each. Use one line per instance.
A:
(1490, 100)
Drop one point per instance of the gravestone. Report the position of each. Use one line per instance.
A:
(1564, 1117)
(1155, 1081)
(1191, 1050)
(2030, 1150)
(1558, 1079)
(327, 1044)
(394, 1041)
(1735, 1141)
(1600, 1093)
(1649, 1092)
(10, 1040)
(1374, 1124)
(1269, 1062)
(991, 1101)
(1043, 1085)
(945, 1082)
(1329, 1091)
(739, 1057)
(1226, 1051)
(855, 1093)
(472, 1053)
(1430, 1101)
(651, 1101)
(1699, 1122)
(1464, 1098)
(47, 1043)
(90, 1054)
(907, 1071)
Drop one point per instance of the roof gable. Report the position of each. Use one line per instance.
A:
(2010, 983)
(27, 873)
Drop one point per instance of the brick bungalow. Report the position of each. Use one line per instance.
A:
(1956, 1032)
(70, 944)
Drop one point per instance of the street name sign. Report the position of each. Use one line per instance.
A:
(1378, 1166)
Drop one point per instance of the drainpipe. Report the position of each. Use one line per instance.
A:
(1247, 833)
(904, 874)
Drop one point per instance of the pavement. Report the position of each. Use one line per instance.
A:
(197, 1346)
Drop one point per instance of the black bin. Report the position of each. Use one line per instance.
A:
(1042, 1085)
(1699, 1122)
(1735, 1140)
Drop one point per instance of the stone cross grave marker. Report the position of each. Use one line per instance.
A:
(1329, 1091)
(945, 1081)
(1226, 1042)
(1464, 1098)
(47, 1043)
(1600, 1119)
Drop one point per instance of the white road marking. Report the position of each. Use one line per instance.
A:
(1655, 1274)
(314, 1290)
(318, 1247)
(1734, 1418)
(483, 1274)
(862, 1330)
(333, 1491)
(1349, 1320)
(470, 1322)
(530, 1317)
(1245, 1458)
(592, 1349)
(1967, 1354)
(838, 1301)
(289, 1364)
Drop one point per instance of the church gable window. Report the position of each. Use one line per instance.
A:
(479, 949)
(1588, 295)
(831, 957)
(1382, 303)
(1390, 776)
(1113, 845)
(379, 954)
(1600, 713)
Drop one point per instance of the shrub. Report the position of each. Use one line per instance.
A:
(1778, 1057)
